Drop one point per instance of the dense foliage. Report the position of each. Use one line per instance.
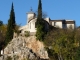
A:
(2, 34)
(1, 23)
(64, 43)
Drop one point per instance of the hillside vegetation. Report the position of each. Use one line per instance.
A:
(63, 44)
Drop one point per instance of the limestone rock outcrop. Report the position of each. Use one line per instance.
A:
(26, 47)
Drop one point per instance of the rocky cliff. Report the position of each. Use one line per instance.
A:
(25, 48)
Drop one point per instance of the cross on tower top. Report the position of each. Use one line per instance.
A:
(31, 9)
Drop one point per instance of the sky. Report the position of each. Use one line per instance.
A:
(55, 9)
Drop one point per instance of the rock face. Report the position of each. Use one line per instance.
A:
(25, 47)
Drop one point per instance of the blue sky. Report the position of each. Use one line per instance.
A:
(55, 9)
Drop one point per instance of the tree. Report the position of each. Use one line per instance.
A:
(2, 36)
(40, 23)
(10, 27)
(1, 23)
(63, 42)
(39, 10)
(3, 29)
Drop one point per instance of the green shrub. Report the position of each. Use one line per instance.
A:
(27, 33)
(9, 58)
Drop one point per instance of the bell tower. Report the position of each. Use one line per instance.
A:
(30, 15)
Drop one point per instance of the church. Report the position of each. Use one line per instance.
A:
(31, 20)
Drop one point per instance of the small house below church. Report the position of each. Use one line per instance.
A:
(31, 20)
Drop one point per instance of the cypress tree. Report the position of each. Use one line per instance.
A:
(10, 27)
(40, 23)
(40, 10)
(12, 17)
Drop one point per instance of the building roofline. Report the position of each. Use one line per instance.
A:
(64, 21)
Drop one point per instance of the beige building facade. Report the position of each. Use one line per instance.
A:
(31, 20)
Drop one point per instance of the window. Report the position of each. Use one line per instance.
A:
(35, 25)
(70, 27)
(30, 25)
(54, 23)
